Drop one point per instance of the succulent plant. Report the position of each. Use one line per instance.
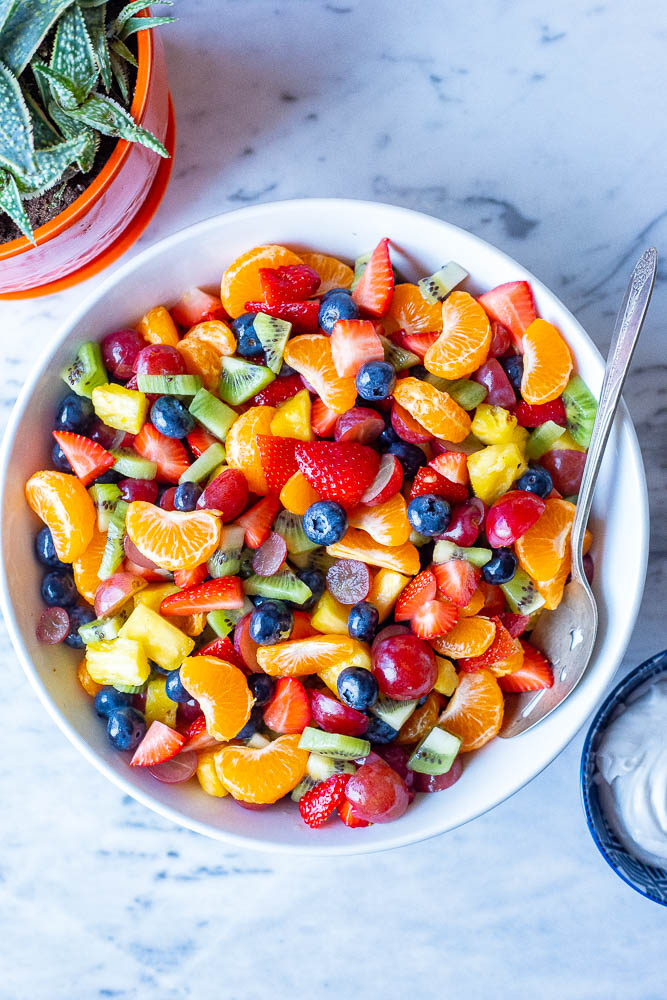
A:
(53, 113)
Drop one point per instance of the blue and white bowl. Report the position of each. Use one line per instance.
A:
(646, 879)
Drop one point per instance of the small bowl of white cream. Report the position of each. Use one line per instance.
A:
(624, 779)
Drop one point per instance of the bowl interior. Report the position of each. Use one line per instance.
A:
(198, 255)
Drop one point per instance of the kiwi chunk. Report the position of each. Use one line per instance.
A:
(290, 527)
(359, 268)
(104, 496)
(282, 586)
(203, 466)
(226, 560)
(212, 414)
(241, 380)
(127, 463)
(436, 752)
(316, 559)
(522, 595)
(580, 409)
(222, 622)
(105, 628)
(466, 393)
(542, 438)
(114, 553)
(398, 357)
(273, 334)
(319, 769)
(437, 286)
(170, 385)
(394, 713)
(333, 744)
(445, 550)
(87, 371)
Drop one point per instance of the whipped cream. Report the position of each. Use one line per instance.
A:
(632, 765)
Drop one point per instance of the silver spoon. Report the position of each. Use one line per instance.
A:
(566, 636)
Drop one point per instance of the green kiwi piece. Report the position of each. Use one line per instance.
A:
(273, 334)
(317, 559)
(170, 385)
(466, 393)
(87, 371)
(436, 752)
(359, 268)
(418, 539)
(104, 628)
(580, 409)
(445, 550)
(241, 380)
(114, 553)
(398, 357)
(437, 286)
(133, 466)
(282, 586)
(522, 595)
(543, 438)
(104, 496)
(333, 744)
(203, 466)
(319, 769)
(212, 413)
(394, 713)
(130, 688)
(226, 560)
(290, 527)
(222, 622)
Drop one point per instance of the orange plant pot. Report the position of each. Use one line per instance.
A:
(110, 214)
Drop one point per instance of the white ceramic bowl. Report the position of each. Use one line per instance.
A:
(198, 255)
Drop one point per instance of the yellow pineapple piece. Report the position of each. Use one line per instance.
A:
(208, 776)
(159, 705)
(385, 589)
(329, 615)
(120, 408)
(153, 595)
(117, 661)
(565, 443)
(165, 644)
(447, 680)
(292, 419)
(494, 469)
(493, 424)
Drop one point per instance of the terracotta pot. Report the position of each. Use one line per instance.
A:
(113, 212)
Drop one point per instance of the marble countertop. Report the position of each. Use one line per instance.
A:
(538, 127)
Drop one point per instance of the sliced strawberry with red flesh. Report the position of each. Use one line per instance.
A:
(223, 593)
(534, 416)
(419, 591)
(322, 419)
(160, 743)
(228, 493)
(321, 802)
(494, 599)
(516, 625)
(434, 618)
(334, 717)
(533, 675)
(387, 482)
(289, 708)
(185, 578)
(417, 343)
(302, 629)
(429, 481)
(512, 305)
(197, 306)
(199, 440)
(407, 428)
(257, 521)
(346, 813)
(353, 343)
(87, 458)
(197, 737)
(288, 283)
(456, 580)
(502, 647)
(453, 465)
(304, 316)
(168, 454)
(223, 649)
(278, 391)
(338, 470)
(376, 286)
(278, 461)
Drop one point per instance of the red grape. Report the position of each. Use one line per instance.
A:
(179, 768)
(386, 484)
(589, 567)
(159, 359)
(270, 556)
(376, 792)
(511, 516)
(408, 431)
(349, 581)
(53, 625)
(566, 467)
(113, 593)
(500, 340)
(334, 717)
(359, 424)
(187, 712)
(494, 377)
(438, 782)
(465, 522)
(138, 489)
(120, 350)
(388, 631)
(404, 667)
(167, 498)
(135, 556)
(106, 436)
(245, 646)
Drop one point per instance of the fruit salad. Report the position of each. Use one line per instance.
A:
(299, 531)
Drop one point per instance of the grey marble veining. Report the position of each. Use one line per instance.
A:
(541, 128)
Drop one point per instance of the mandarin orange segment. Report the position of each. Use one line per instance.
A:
(474, 605)
(297, 495)
(547, 363)
(470, 636)
(87, 567)
(475, 710)
(241, 445)
(170, 538)
(544, 550)
(90, 686)
(262, 775)
(333, 273)
(387, 523)
(203, 348)
(63, 504)
(421, 722)
(157, 327)
(504, 655)
(222, 692)
(298, 657)
(435, 410)
(409, 311)
(240, 282)
(465, 340)
(310, 355)
(357, 544)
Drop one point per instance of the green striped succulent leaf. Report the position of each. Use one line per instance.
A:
(44, 134)
(71, 128)
(121, 76)
(61, 87)
(133, 8)
(25, 28)
(121, 49)
(17, 150)
(5, 8)
(109, 118)
(51, 165)
(12, 205)
(73, 55)
(135, 24)
(95, 18)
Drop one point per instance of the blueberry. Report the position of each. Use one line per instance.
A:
(254, 723)
(409, 455)
(375, 380)
(501, 567)
(107, 700)
(271, 622)
(337, 304)
(387, 437)
(60, 460)
(80, 615)
(418, 371)
(362, 621)
(110, 476)
(157, 669)
(286, 371)
(315, 580)
(59, 590)
(126, 728)
(335, 291)
(429, 514)
(186, 496)
(325, 522)
(173, 687)
(247, 341)
(171, 418)
(45, 550)
(535, 480)
(379, 731)
(514, 370)
(357, 688)
(74, 414)
(261, 686)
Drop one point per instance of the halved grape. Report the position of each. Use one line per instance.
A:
(270, 556)
(349, 581)
(52, 626)
(178, 768)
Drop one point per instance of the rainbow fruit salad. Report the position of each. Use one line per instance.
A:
(299, 532)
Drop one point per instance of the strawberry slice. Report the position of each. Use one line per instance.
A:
(387, 482)
(87, 458)
(223, 649)
(533, 675)
(539, 413)
(288, 283)
(228, 493)
(512, 305)
(429, 481)
(304, 316)
(453, 465)
(185, 578)
(160, 743)
(278, 391)
(168, 454)
(434, 618)
(225, 592)
(456, 580)
(199, 440)
(322, 419)
(353, 343)
(197, 737)
(278, 461)
(516, 625)
(502, 648)
(376, 286)
(321, 802)
(197, 306)
(257, 521)
(289, 708)
(346, 813)
(417, 343)
(419, 591)
(338, 470)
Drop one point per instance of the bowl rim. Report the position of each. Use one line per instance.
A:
(641, 674)
(168, 243)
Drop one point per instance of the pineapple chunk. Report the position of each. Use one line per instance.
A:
(494, 469)
(565, 443)
(385, 589)
(329, 615)
(493, 424)
(292, 419)
(447, 680)
(159, 705)
(361, 657)
(208, 776)
(117, 661)
(121, 408)
(153, 595)
(162, 641)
